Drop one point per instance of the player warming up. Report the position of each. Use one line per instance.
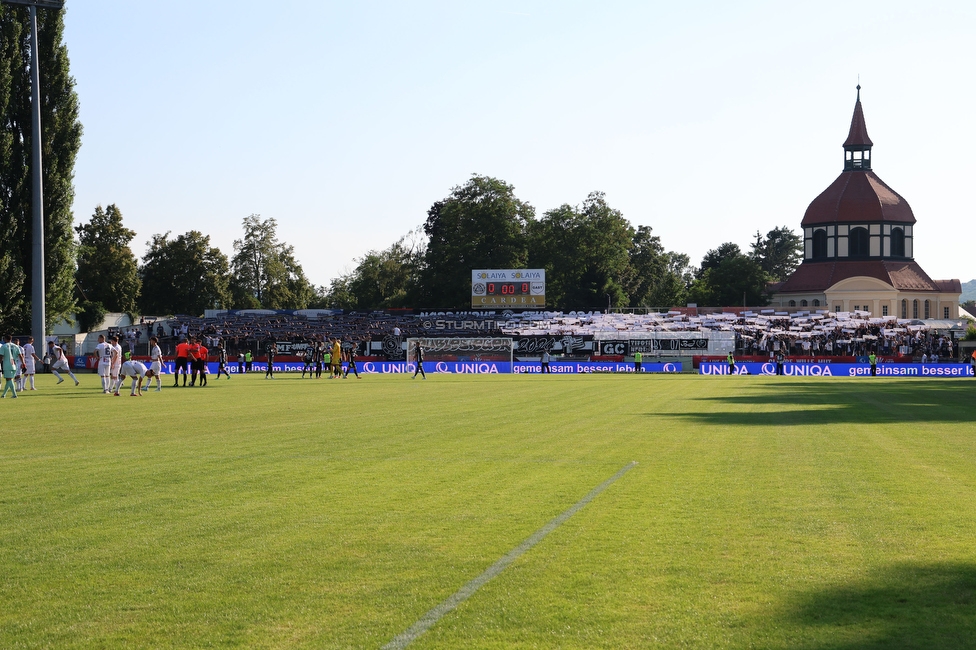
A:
(30, 357)
(156, 362)
(103, 352)
(138, 371)
(420, 362)
(59, 361)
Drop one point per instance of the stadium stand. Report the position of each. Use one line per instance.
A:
(799, 333)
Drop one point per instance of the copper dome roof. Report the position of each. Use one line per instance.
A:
(858, 197)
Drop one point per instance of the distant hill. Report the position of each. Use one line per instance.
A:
(968, 291)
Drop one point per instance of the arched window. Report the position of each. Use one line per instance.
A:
(897, 242)
(904, 309)
(915, 309)
(816, 302)
(819, 244)
(858, 242)
(803, 303)
(926, 309)
(792, 303)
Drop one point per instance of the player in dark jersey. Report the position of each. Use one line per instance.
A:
(318, 354)
(222, 361)
(271, 348)
(307, 361)
(352, 363)
(420, 362)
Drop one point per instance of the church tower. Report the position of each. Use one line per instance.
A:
(858, 247)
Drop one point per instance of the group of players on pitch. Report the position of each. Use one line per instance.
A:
(19, 364)
(319, 355)
(114, 366)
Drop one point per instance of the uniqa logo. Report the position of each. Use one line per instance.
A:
(769, 369)
(670, 367)
(475, 368)
(807, 369)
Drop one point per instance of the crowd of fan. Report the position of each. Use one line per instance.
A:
(240, 332)
(797, 333)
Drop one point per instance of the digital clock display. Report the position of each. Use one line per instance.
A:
(507, 288)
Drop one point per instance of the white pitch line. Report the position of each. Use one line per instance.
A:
(430, 618)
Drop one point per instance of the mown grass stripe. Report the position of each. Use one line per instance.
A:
(431, 618)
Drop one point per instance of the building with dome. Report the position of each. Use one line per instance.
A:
(858, 240)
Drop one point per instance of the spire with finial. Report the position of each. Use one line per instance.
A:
(857, 147)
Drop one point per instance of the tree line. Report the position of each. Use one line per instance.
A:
(184, 274)
(593, 257)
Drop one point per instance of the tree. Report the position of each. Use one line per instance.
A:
(264, 272)
(337, 296)
(657, 277)
(585, 252)
(61, 141)
(672, 288)
(107, 270)
(716, 256)
(386, 278)
(481, 225)
(779, 253)
(185, 275)
(727, 278)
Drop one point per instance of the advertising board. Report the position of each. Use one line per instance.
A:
(915, 370)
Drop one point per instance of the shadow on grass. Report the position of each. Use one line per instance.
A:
(904, 606)
(824, 402)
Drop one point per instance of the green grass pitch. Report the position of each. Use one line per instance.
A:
(764, 512)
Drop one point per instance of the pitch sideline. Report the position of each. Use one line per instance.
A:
(429, 619)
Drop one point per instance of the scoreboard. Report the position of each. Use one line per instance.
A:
(508, 289)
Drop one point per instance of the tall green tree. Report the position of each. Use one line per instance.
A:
(337, 295)
(729, 278)
(586, 253)
(480, 225)
(185, 275)
(658, 278)
(778, 253)
(716, 256)
(107, 269)
(61, 141)
(382, 279)
(264, 271)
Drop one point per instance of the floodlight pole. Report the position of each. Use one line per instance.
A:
(38, 286)
(38, 290)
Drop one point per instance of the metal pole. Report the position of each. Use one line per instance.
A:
(38, 312)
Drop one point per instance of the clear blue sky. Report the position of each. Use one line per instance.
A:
(345, 121)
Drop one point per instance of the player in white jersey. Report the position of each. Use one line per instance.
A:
(138, 371)
(59, 361)
(29, 361)
(19, 379)
(116, 362)
(104, 353)
(156, 362)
